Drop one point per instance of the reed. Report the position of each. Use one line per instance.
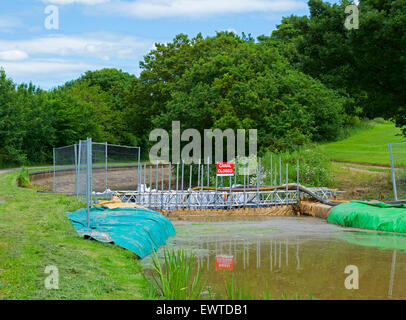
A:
(237, 291)
(176, 280)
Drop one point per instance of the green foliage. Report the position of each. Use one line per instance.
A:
(175, 280)
(314, 166)
(32, 121)
(23, 178)
(364, 63)
(229, 82)
(237, 291)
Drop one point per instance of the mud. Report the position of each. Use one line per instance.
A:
(118, 178)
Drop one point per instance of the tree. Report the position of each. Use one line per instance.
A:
(231, 82)
(366, 63)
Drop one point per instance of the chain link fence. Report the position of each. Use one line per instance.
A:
(397, 155)
(92, 168)
(65, 165)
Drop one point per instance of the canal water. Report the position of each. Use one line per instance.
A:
(296, 257)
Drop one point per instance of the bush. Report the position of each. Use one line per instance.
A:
(314, 166)
(23, 178)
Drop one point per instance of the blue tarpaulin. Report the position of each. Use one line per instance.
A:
(139, 230)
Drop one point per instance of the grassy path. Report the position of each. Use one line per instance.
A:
(368, 145)
(35, 233)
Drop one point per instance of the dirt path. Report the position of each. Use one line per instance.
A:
(362, 181)
(364, 170)
(362, 164)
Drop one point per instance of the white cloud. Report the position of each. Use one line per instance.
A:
(46, 73)
(86, 2)
(36, 68)
(198, 8)
(52, 60)
(105, 46)
(7, 23)
(13, 55)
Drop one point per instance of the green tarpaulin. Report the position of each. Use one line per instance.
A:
(139, 230)
(366, 215)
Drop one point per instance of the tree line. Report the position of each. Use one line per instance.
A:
(304, 83)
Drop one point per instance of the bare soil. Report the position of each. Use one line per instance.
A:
(124, 178)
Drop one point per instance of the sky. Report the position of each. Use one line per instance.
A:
(49, 42)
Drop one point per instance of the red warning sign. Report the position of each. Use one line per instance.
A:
(224, 262)
(225, 169)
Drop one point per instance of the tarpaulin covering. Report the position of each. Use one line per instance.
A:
(137, 229)
(366, 215)
(381, 240)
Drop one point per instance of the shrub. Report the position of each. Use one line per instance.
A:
(314, 167)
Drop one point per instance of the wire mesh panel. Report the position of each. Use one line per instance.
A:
(397, 155)
(99, 166)
(65, 159)
(123, 170)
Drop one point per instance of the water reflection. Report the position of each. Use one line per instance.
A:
(242, 251)
(297, 257)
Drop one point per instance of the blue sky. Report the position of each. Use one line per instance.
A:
(94, 34)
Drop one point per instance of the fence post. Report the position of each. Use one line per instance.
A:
(177, 184)
(297, 181)
(230, 198)
(198, 174)
(190, 184)
(53, 186)
(106, 163)
(245, 171)
(276, 174)
(157, 176)
(144, 199)
(170, 176)
(392, 166)
(208, 171)
(287, 182)
(89, 179)
(216, 197)
(76, 170)
(162, 186)
(202, 181)
(150, 185)
(145, 170)
(235, 172)
(258, 177)
(138, 168)
(183, 168)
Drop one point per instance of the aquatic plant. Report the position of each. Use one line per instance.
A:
(175, 281)
(237, 291)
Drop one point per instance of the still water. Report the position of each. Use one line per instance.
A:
(296, 257)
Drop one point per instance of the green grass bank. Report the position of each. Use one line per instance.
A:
(368, 144)
(35, 233)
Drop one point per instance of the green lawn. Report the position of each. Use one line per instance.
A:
(369, 145)
(35, 233)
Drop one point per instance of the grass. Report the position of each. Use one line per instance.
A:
(35, 233)
(238, 291)
(175, 281)
(362, 184)
(368, 145)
